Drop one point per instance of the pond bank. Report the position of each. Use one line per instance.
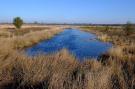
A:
(29, 39)
(124, 48)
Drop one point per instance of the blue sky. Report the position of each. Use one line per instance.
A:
(69, 11)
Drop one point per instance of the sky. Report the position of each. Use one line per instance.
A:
(69, 11)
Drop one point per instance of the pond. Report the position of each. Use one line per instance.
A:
(81, 44)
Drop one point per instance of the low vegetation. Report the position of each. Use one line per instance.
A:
(113, 70)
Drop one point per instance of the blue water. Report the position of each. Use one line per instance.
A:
(81, 44)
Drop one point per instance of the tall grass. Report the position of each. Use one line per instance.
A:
(63, 71)
(17, 42)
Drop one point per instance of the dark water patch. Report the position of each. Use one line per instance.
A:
(81, 44)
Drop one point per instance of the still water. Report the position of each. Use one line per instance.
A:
(81, 44)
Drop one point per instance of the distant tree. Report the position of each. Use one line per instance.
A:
(18, 22)
(128, 28)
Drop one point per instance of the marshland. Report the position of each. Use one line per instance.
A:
(63, 52)
(60, 70)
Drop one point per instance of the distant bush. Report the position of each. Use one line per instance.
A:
(18, 22)
(128, 28)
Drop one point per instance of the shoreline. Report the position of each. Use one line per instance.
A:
(119, 42)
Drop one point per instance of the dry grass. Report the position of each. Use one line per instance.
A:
(61, 70)
(18, 42)
(104, 38)
(116, 52)
(123, 45)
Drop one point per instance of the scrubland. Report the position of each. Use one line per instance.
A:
(113, 70)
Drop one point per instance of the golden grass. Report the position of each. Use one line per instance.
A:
(104, 38)
(116, 52)
(28, 39)
(61, 70)
(4, 34)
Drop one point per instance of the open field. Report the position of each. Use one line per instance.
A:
(113, 70)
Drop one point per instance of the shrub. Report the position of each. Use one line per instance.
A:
(18, 22)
